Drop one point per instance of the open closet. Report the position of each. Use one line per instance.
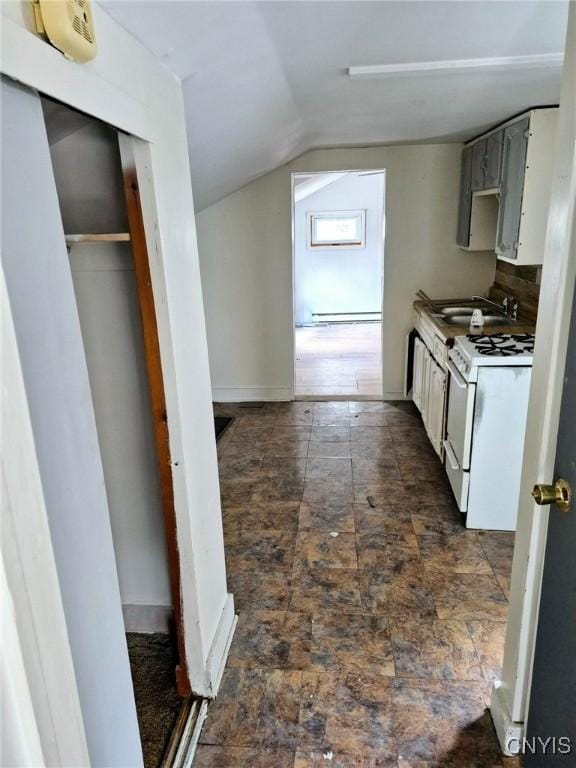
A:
(100, 208)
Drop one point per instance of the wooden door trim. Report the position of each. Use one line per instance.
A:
(158, 400)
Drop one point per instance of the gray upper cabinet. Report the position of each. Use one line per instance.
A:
(493, 165)
(505, 187)
(478, 165)
(513, 167)
(465, 201)
(487, 162)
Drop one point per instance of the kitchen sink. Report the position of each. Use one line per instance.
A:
(488, 320)
(448, 311)
(467, 310)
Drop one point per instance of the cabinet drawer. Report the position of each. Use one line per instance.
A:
(440, 351)
(426, 331)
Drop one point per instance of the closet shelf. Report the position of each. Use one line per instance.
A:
(107, 237)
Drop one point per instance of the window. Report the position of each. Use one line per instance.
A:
(337, 229)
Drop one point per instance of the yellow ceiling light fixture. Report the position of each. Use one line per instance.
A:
(68, 25)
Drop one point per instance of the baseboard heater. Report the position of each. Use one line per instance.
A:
(346, 317)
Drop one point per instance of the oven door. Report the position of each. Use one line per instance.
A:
(461, 396)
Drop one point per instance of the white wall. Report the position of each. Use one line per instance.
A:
(105, 289)
(246, 262)
(130, 89)
(89, 185)
(344, 280)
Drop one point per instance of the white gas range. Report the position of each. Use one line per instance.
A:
(489, 383)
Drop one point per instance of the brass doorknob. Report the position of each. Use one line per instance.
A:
(560, 494)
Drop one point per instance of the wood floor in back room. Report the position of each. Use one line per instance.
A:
(371, 622)
(339, 359)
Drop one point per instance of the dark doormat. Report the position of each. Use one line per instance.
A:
(221, 424)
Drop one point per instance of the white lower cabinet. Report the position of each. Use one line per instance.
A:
(436, 406)
(426, 368)
(429, 393)
(417, 367)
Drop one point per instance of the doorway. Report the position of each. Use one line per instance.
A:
(338, 226)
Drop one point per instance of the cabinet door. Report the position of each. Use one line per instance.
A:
(493, 166)
(426, 368)
(465, 201)
(513, 170)
(417, 374)
(478, 165)
(436, 402)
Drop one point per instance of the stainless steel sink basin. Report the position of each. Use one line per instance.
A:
(467, 310)
(449, 311)
(488, 320)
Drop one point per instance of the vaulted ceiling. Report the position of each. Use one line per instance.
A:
(266, 81)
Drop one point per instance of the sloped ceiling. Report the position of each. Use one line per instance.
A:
(266, 81)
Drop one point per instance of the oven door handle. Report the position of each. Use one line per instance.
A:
(458, 380)
(451, 456)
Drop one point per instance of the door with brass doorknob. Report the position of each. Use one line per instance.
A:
(552, 707)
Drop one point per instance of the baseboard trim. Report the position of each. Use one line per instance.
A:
(185, 734)
(286, 394)
(218, 654)
(338, 398)
(394, 396)
(147, 619)
(352, 398)
(509, 733)
(251, 394)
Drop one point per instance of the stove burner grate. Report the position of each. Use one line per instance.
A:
(503, 344)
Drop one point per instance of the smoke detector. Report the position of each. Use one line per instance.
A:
(69, 26)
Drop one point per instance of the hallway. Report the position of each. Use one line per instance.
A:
(339, 359)
(371, 623)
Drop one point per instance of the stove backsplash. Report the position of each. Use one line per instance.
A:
(520, 283)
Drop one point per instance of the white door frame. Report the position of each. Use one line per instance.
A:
(510, 696)
(39, 691)
(381, 228)
(128, 88)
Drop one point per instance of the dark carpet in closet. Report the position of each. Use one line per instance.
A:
(152, 662)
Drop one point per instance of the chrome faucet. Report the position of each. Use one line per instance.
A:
(514, 311)
(500, 307)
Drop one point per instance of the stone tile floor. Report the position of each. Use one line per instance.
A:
(371, 622)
